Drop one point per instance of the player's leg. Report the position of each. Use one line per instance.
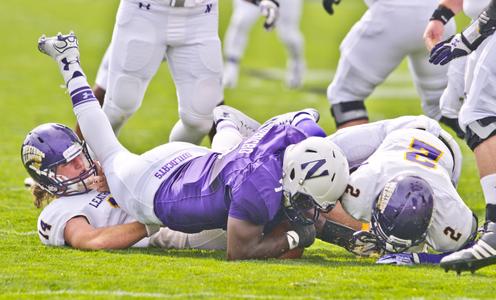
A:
(135, 55)
(166, 238)
(478, 117)
(196, 67)
(100, 87)
(288, 29)
(453, 96)
(94, 124)
(232, 126)
(369, 53)
(243, 17)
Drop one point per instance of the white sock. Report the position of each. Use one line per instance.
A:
(227, 137)
(488, 184)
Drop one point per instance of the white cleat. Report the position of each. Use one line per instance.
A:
(230, 75)
(293, 118)
(60, 47)
(246, 125)
(295, 73)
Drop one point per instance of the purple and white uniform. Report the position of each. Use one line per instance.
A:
(187, 187)
(244, 183)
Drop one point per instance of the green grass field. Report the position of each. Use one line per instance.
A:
(30, 95)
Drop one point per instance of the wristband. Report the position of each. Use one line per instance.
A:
(443, 14)
(293, 239)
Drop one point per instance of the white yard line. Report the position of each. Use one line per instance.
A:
(151, 295)
(13, 232)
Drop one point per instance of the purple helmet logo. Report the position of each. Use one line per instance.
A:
(402, 213)
(48, 146)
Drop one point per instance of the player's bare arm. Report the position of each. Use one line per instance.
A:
(435, 28)
(80, 234)
(246, 240)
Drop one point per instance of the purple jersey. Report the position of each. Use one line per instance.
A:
(244, 183)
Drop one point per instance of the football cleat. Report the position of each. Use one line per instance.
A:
(292, 117)
(294, 76)
(60, 47)
(481, 254)
(246, 125)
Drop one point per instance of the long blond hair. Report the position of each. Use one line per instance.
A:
(41, 197)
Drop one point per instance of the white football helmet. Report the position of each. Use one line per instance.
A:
(315, 174)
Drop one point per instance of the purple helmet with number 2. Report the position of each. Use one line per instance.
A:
(48, 146)
(402, 213)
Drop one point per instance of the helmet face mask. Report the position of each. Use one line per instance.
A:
(49, 146)
(315, 175)
(402, 213)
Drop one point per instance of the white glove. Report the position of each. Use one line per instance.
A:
(399, 259)
(270, 10)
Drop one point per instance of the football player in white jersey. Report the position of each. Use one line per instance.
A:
(191, 188)
(403, 184)
(388, 32)
(477, 118)
(94, 221)
(243, 17)
(186, 32)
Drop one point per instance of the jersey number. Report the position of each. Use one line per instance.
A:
(423, 153)
(352, 191)
(45, 227)
(452, 233)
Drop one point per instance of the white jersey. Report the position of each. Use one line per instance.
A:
(100, 209)
(413, 152)
(473, 8)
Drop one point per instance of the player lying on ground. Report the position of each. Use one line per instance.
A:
(403, 182)
(190, 188)
(92, 220)
(478, 119)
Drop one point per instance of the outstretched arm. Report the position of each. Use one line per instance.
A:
(80, 234)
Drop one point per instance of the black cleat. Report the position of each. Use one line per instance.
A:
(480, 255)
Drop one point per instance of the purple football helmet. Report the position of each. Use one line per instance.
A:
(402, 213)
(48, 146)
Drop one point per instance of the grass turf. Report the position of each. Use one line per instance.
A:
(30, 95)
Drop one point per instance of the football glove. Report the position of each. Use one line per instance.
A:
(364, 243)
(302, 235)
(399, 259)
(270, 10)
(328, 5)
(463, 43)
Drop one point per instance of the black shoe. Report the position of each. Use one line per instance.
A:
(481, 254)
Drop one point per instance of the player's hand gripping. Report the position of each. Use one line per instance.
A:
(463, 43)
(270, 10)
(302, 235)
(328, 5)
(364, 243)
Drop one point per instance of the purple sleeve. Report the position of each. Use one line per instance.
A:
(310, 128)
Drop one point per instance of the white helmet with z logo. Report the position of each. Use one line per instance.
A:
(315, 174)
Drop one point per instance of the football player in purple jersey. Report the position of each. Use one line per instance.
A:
(285, 166)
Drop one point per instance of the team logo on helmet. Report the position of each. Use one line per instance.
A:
(33, 157)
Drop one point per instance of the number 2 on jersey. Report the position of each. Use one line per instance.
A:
(423, 153)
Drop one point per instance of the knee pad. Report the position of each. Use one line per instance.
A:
(349, 111)
(126, 93)
(479, 131)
